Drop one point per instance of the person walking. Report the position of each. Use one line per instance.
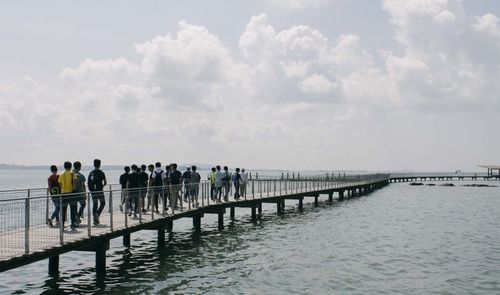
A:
(79, 191)
(123, 184)
(151, 168)
(144, 187)
(218, 184)
(96, 183)
(236, 182)
(194, 181)
(67, 182)
(133, 189)
(185, 178)
(211, 178)
(54, 191)
(226, 183)
(243, 183)
(158, 182)
(175, 185)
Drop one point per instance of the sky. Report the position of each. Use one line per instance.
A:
(281, 84)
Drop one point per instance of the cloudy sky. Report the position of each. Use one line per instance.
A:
(295, 84)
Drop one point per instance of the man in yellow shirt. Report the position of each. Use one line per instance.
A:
(67, 181)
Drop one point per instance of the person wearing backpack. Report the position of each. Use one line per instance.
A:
(194, 181)
(226, 183)
(79, 191)
(54, 191)
(175, 185)
(158, 182)
(236, 183)
(96, 183)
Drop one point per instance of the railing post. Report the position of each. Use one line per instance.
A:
(260, 188)
(27, 224)
(47, 205)
(61, 221)
(110, 208)
(89, 204)
(126, 208)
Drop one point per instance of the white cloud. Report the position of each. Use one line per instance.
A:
(300, 4)
(316, 84)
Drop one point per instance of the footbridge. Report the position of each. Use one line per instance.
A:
(25, 236)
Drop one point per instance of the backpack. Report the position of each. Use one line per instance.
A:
(226, 176)
(195, 177)
(158, 180)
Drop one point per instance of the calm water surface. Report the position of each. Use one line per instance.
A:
(399, 240)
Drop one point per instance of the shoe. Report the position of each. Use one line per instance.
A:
(49, 223)
(121, 208)
(73, 226)
(157, 212)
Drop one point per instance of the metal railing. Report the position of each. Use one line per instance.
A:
(25, 214)
(439, 175)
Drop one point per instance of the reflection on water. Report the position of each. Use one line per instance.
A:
(399, 240)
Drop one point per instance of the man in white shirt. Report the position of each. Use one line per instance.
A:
(243, 183)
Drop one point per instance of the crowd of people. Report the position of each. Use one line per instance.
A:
(144, 188)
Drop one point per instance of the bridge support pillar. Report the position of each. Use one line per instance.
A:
(126, 240)
(341, 195)
(221, 221)
(330, 197)
(100, 260)
(259, 208)
(197, 222)
(170, 225)
(316, 202)
(301, 204)
(231, 213)
(254, 214)
(278, 207)
(54, 265)
(161, 236)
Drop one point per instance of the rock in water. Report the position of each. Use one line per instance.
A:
(416, 183)
(447, 184)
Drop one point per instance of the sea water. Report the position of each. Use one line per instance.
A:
(401, 239)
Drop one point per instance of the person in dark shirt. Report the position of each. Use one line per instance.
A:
(175, 177)
(186, 176)
(151, 168)
(96, 183)
(133, 187)
(144, 187)
(54, 190)
(123, 183)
